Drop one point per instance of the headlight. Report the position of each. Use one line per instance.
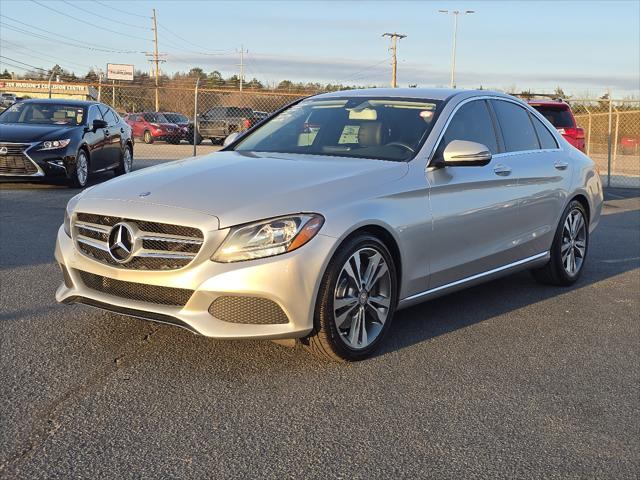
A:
(68, 211)
(55, 144)
(268, 238)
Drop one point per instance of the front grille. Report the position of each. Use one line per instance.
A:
(15, 161)
(136, 291)
(248, 310)
(157, 246)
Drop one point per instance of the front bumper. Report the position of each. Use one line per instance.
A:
(290, 280)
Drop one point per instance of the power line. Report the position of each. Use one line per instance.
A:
(356, 75)
(146, 17)
(105, 18)
(218, 52)
(23, 63)
(88, 23)
(36, 54)
(78, 43)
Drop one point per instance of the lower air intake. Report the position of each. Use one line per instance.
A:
(248, 310)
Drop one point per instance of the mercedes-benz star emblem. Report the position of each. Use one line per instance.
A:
(3, 150)
(121, 242)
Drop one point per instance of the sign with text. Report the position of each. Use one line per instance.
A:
(117, 71)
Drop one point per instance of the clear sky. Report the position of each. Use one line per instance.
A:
(583, 46)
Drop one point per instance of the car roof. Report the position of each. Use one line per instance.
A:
(419, 93)
(58, 101)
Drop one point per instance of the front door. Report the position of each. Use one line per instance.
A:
(474, 208)
(95, 140)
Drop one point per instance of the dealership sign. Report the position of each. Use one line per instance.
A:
(117, 71)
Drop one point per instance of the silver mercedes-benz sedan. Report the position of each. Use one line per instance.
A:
(321, 222)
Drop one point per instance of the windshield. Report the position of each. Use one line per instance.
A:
(378, 128)
(155, 118)
(176, 118)
(44, 113)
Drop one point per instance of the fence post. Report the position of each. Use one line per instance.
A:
(609, 141)
(588, 131)
(615, 138)
(113, 94)
(100, 87)
(50, 78)
(195, 117)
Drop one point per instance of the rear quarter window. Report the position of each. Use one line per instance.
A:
(547, 141)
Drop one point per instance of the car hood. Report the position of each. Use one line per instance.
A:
(240, 187)
(24, 133)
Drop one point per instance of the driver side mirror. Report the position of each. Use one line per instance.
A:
(231, 138)
(98, 124)
(462, 153)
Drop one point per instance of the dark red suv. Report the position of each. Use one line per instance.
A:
(560, 116)
(151, 126)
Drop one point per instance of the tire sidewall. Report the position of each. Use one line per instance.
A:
(556, 248)
(75, 179)
(324, 312)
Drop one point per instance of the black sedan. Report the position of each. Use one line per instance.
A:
(63, 138)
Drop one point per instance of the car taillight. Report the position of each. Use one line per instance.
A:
(247, 123)
(572, 132)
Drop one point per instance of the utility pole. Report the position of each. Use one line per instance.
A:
(155, 56)
(455, 14)
(394, 53)
(242, 52)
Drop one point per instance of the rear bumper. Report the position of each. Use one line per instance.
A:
(290, 281)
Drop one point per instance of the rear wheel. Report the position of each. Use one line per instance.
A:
(356, 301)
(126, 163)
(569, 248)
(147, 137)
(80, 173)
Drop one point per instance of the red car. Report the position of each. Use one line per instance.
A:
(151, 126)
(630, 145)
(560, 116)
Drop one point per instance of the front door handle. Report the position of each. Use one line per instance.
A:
(502, 170)
(561, 165)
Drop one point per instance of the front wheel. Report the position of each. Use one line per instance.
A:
(356, 301)
(147, 137)
(80, 173)
(126, 163)
(569, 248)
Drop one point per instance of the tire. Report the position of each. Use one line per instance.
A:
(126, 162)
(80, 174)
(147, 137)
(216, 141)
(568, 243)
(338, 335)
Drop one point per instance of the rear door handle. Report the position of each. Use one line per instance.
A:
(561, 165)
(502, 170)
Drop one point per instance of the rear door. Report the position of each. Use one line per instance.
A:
(542, 170)
(474, 208)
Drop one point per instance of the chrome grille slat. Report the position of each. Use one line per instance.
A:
(159, 246)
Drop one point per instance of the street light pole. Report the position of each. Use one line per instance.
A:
(455, 14)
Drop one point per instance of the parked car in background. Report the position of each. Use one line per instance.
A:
(219, 122)
(63, 138)
(182, 121)
(559, 114)
(630, 145)
(152, 126)
(391, 197)
(7, 99)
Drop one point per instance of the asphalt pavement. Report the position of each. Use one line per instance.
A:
(506, 380)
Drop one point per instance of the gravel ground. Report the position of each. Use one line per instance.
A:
(506, 380)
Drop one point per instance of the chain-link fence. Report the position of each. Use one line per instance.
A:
(182, 119)
(189, 120)
(612, 138)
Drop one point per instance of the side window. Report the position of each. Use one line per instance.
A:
(94, 114)
(108, 115)
(517, 129)
(472, 122)
(546, 139)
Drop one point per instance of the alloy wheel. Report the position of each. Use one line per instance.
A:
(362, 298)
(574, 244)
(82, 169)
(127, 160)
